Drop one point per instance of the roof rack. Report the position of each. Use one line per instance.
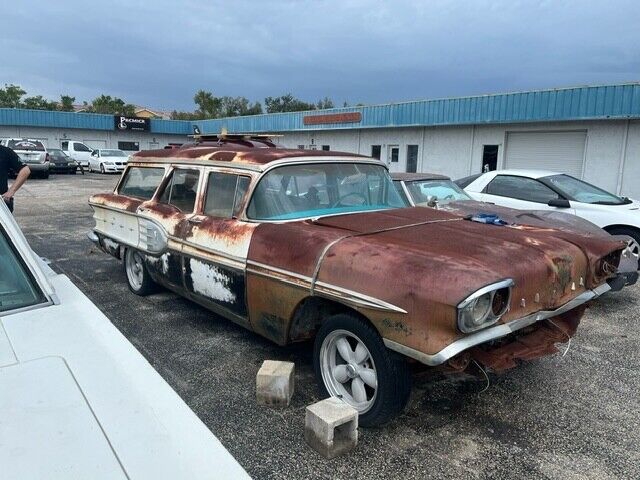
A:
(225, 137)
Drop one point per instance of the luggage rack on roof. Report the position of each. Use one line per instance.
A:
(249, 139)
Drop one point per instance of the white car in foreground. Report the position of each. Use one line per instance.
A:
(77, 400)
(544, 190)
(108, 160)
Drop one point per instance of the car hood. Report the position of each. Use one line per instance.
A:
(73, 377)
(537, 218)
(469, 254)
(114, 159)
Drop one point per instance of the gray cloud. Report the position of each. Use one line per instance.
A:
(158, 53)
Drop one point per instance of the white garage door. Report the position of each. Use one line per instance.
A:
(559, 151)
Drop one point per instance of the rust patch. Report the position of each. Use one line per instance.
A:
(396, 326)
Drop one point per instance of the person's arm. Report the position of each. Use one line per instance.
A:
(23, 174)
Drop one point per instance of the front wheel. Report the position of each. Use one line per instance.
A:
(352, 363)
(634, 245)
(138, 277)
(102, 168)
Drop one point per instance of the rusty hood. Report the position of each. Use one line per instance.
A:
(452, 256)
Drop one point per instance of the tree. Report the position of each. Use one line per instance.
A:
(326, 102)
(286, 103)
(66, 103)
(238, 106)
(114, 106)
(39, 103)
(10, 96)
(208, 104)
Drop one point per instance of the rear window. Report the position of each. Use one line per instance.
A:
(141, 182)
(31, 145)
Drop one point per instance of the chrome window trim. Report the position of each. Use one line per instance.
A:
(498, 331)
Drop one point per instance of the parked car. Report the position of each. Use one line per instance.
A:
(68, 375)
(80, 152)
(60, 162)
(545, 190)
(110, 160)
(32, 152)
(298, 245)
(438, 191)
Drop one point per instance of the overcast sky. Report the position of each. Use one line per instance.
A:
(159, 52)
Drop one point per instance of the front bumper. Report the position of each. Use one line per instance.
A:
(495, 332)
(114, 168)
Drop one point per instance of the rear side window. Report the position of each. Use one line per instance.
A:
(17, 288)
(181, 190)
(141, 182)
(521, 188)
(65, 146)
(224, 194)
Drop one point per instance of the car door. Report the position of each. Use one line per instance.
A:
(171, 207)
(216, 244)
(522, 193)
(94, 163)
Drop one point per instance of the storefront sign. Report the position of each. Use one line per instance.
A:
(350, 117)
(131, 123)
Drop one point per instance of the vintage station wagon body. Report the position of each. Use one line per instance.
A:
(281, 240)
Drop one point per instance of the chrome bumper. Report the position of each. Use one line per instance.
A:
(492, 333)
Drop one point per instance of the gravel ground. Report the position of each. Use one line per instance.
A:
(576, 416)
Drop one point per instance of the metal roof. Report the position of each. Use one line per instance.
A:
(620, 101)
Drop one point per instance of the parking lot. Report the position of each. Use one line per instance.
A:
(571, 416)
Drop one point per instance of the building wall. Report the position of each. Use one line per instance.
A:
(52, 137)
(612, 154)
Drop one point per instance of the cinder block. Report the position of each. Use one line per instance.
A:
(331, 427)
(274, 383)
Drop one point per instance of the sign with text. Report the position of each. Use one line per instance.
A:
(349, 117)
(123, 122)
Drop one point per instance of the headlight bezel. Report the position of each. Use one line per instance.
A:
(465, 309)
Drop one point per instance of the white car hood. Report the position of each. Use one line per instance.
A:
(114, 159)
(77, 400)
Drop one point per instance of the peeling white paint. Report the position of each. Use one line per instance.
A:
(210, 282)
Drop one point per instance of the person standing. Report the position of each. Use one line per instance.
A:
(10, 162)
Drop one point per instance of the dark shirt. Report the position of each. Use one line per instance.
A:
(9, 162)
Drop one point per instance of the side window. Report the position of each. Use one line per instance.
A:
(81, 147)
(65, 146)
(181, 190)
(521, 188)
(141, 182)
(224, 194)
(17, 288)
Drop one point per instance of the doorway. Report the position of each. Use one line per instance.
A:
(412, 158)
(490, 158)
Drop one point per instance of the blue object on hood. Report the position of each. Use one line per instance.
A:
(489, 218)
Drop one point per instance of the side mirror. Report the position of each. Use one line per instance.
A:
(559, 203)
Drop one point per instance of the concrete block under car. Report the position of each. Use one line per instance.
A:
(331, 427)
(274, 383)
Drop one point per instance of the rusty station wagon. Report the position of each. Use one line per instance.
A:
(297, 245)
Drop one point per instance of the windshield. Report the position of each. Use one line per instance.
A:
(580, 191)
(17, 288)
(441, 191)
(112, 153)
(31, 145)
(310, 190)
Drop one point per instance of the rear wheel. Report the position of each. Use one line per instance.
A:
(138, 277)
(352, 363)
(102, 168)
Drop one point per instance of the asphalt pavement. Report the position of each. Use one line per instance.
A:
(561, 417)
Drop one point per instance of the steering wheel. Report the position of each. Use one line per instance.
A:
(358, 194)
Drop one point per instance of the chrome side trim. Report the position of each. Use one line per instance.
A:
(492, 333)
(358, 299)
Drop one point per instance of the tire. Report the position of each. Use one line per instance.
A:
(633, 233)
(380, 367)
(45, 175)
(138, 277)
(102, 168)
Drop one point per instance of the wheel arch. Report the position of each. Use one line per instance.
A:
(309, 314)
(616, 226)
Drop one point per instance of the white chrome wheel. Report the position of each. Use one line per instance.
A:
(348, 370)
(135, 269)
(633, 249)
